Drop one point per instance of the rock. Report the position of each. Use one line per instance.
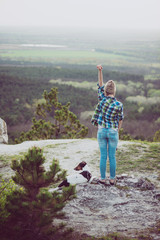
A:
(100, 209)
(157, 195)
(131, 181)
(145, 184)
(142, 183)
(3, 131)
(122, 176)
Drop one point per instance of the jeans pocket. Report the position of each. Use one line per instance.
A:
(100, 134)
(113, 134)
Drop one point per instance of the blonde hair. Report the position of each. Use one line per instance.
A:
(110, 88)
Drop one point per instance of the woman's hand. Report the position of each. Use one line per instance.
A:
(100, 75)
(99, 67)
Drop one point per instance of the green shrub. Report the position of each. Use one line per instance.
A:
(156, 137)
(123, 135)
(30, 213)
(6, 189)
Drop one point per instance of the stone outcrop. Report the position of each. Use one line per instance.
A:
(129, 207)
(3, 131)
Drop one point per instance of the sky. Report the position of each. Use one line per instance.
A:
(112, 14)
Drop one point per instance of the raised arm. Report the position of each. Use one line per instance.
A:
(100, 75)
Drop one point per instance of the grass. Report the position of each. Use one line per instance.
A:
(84, 57)
(138, 157)
(117, 236)
(55, 145)
(3, 161)
(62, 54)
(6, 160)
(78, 152)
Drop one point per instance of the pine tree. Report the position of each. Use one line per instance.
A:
(55, 121)
(33, 210)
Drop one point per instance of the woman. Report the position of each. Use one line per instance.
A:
(108, 117)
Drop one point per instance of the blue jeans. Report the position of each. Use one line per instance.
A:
(108, 140)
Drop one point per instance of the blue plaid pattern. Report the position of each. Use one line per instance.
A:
(108, 111)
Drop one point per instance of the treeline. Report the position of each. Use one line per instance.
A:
(19, 86)
(18, 96)
(148, 54)
(22, 87)
(77, 72)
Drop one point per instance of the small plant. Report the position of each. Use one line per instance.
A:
(125, 188)
(123, 135)
(33, 210)
(156, 137)
(112, 236)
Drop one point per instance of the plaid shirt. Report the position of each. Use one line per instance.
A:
(108, 111)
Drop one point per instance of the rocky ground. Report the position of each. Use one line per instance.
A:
(130, 206)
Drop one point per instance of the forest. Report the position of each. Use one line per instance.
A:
(28, 67)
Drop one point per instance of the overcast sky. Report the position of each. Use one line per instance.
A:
(117, 14)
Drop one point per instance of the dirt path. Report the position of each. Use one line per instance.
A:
(69, 152)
